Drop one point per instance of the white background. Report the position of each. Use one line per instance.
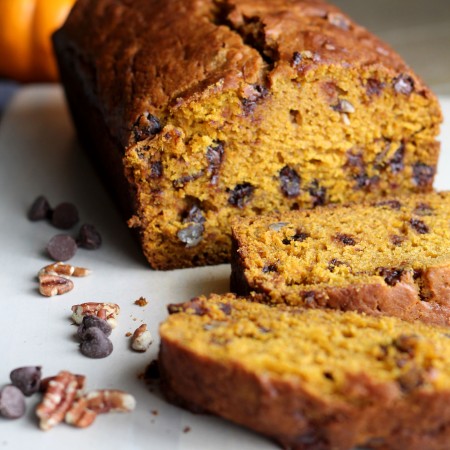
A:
(39, 155)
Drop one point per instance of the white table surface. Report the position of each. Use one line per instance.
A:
(39, 155)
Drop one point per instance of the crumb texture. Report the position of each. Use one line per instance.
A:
(307, 377)
(237, 108)
(390, 257)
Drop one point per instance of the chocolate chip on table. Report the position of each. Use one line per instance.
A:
(241, 194)
(403, 84)
(65, 216)
(12, 402)
(27, 379)
(89, 238)
(95, 344)
(61, 247)
(420, 226)
(39, 210)
(191, 235)
(289, 181)
(93, 321)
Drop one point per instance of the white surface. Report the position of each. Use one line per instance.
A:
(39, 155)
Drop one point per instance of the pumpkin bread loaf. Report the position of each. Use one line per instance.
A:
(309, 378)
(390, 257)
(200, 111)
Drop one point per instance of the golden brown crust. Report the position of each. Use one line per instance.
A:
(413, 285)
(371, 413)
(167, 81)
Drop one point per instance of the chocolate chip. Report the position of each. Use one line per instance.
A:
(423, 209)
(406, 343)
(411, 380)
(374, 86)
(241, 194)
(403, 84)
(27, 379)
(93, 321)
(397, 240)
(391, 276)
(289, 181)
(65, 216)
(61, 247)
(225, 308)
(423, 174)
(309, 297)
(156, 169)
(335, 263)
(39, 210)
(89, 238)
(357, 166)
(363, 181)
(146, 126)
(396, 162)
(191, 235)
(299, 236)
(318, 193)
(179, 183)
(12, 402)
(346, 239)
(195, 306)
(95, 344)
(297, 59)
(257, 93)
(214, 155)
(393, 204)
(268, 268)
(194, 214)
(420, 226)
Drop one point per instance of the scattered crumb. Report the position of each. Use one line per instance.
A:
(186, 429)
(155, 412)
(134, 319)
(128, 334)
(141, 301)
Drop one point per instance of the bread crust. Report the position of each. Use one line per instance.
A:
(373, 415)
(419, 292)
(125, 64)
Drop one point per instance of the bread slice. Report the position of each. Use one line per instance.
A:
(309, 378)
(200, 111)
(389, 257)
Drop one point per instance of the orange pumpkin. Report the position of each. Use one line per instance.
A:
(26, 26)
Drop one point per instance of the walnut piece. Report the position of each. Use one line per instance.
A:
(51, 285)
(58, 399)
(105, 311)
(141, 339)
